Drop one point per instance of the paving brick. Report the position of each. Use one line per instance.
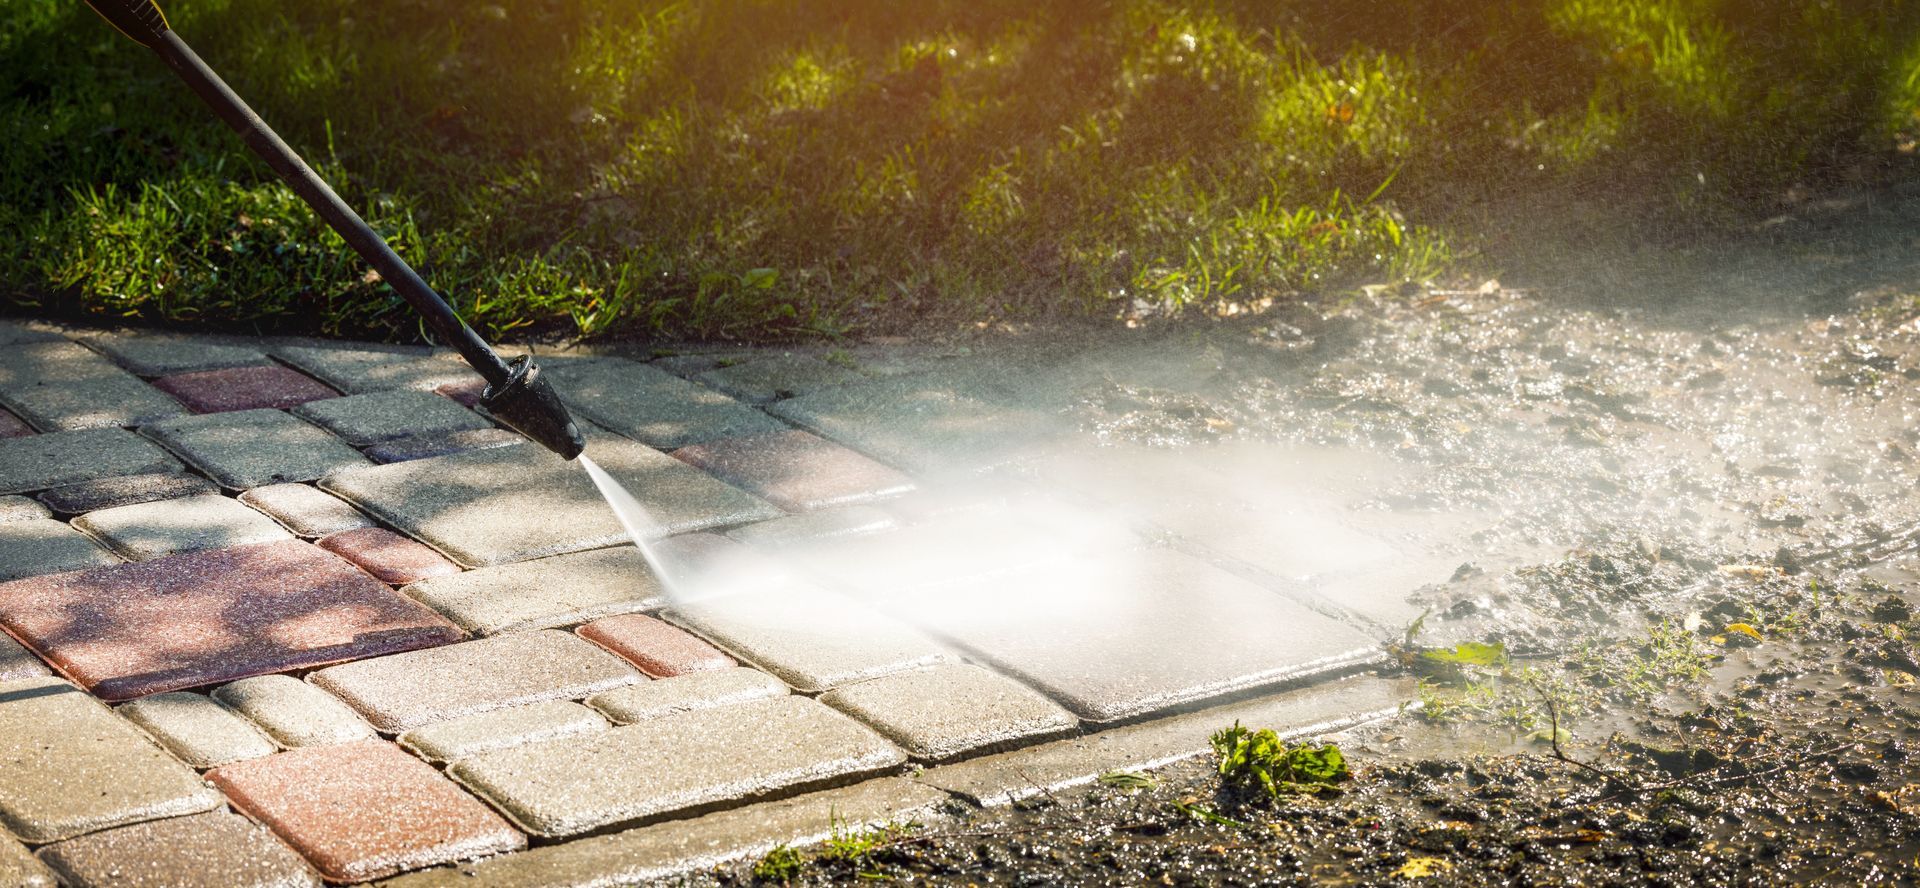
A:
(74, 767)
(190, 524)
(795, 470)
(250, 448)
(17, 662)
(20, 508)
(197, 728)
(304, 509)
(243, 388)
(405, 691)
(951, 710)
(358, 371)
(364, 810)
(458, 738)
(430, 446)
(488, 507)
(813, 526)
(13, 333)
(128, 630)
(558, 591)
(686, 693)
(658, 649)
(12, 426)
(924, 424)
(40, 546)
(293, 712)
(767, 379)
(212, 850)
(813, 639)
(390, 557)
(653, 406)
(158, 354)
(20, 869)
(659, 767)
(60, 386)
(56, 460)
(108, 493)
(386, 416)
(466, 392)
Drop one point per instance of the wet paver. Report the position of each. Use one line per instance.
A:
(212, 850)
(466, 392)
(429, 446)
(826, 524)
(20, 869)
(686, 693)
(199, 729)
(924, 424)
(660, 650)
(304, 509)
(404, 691)
(108, 493)
(293, 712)
(364, 810)
(813, 639)
(386, 416)
(772, 378)
(244, 388)
(693, 759)
(20, 508)
(358, 371)
(60, 386)
(186, 620)
(469, 735)
(73, 766)
(17, 662)
(653, 406)
(56, 460)
(250, 448)
(155, 529)
(40, 546)
(951, 710)
(509, 504)
(12, 426)
(159, 354)
(955, 548)
(544, 593)
(390, 557)
(796, 470)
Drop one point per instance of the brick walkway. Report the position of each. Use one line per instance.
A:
(283, 612)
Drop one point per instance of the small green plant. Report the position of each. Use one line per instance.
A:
(1128, 780)
(782, 864)
(1276, 766)
(860, 848)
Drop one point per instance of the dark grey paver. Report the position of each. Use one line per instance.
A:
(39, 462)
(293, 712)
(200, 730)
(654, 768)
(20, 869)
(43, 546)
(511, 504)
(430, 446)
(686, 693)
(813, 639)
(763, 380)
(75, 767)
(61, 386)
(190, 524)
(249, 448)
(386, 416)
(158, 354)
(20, 508)
(14, 333)
(459, 738)
(544, 593)
(306, 510)
(924, 424)
(653, 406)
(357, 371)
(212, 850)
(405, 691)
(108, 493)
(951, 710)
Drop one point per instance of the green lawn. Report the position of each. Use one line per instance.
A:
(787, 168)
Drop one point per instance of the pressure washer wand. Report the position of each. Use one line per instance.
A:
(515, 395)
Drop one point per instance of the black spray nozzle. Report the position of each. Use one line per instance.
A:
(528, 405)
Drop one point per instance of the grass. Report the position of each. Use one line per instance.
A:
(737, 169)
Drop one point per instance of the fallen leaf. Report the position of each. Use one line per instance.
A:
(1422, 867)
(1745, 629)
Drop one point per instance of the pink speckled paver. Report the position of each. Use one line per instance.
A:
(13, 426)
(466, 391)
(390, 557)
(128, 630)
(660, 650)
(364, 810)
(795, 470)
(243, 388)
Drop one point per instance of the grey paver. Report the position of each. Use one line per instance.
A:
(386, 416)
(358, 371)
(795, 529)
(158, 354)
(508, 504)
(951, 710)
(13, 333)
(955, 548)
(405, 691)
(248, 448)
(660, 852)
(544, 593)
(771, 378)
(38, 462)
(686, 693)
(212, 850)
(188, 524)
(20, 508)
(657, 767)
(306, 510)
(923, 424)
(651, 405)
(812, 638)
(458, 738)
(107, 493)
(20, 869)
(16, 662)
(43, 546)
(75, 767)
(293, 712)
(197, 728)
(60, 386)
(430, 446)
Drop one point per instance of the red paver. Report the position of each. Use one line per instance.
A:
(243, 388)
(466, 391)
(128, 630)
(364, 810)
(390, 557)
(795, 470)
(13, 426)
(660, 650)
